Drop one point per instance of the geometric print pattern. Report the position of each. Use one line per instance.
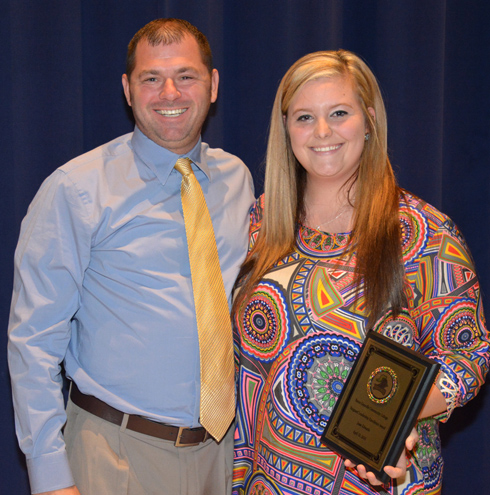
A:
(299, 334)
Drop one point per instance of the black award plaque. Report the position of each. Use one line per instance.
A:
(379, 404)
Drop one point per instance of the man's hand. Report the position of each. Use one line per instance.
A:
(72, 490)
(394, 472)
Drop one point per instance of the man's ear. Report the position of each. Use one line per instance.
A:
(214, 85)
(127, 93)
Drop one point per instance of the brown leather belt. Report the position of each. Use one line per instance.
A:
(183, 437)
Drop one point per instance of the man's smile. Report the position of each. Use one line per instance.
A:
(172, 113)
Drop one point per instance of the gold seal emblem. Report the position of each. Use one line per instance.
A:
(382, 385)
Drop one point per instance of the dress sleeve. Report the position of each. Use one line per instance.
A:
(50, 260)
(256, 214)
(447, 308)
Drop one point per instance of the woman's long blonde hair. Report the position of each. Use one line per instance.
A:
(376, 236)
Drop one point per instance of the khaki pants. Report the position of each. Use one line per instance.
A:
(107, 459)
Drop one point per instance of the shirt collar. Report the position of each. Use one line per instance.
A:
(160, 159)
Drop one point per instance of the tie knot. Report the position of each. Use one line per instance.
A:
(184, 166)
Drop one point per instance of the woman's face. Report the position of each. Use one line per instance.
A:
(327, 128)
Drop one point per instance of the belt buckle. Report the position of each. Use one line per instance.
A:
(179, 436)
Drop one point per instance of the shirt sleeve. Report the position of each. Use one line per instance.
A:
(51, 256)
(447, 307)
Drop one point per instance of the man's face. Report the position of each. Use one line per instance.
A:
(170, 91)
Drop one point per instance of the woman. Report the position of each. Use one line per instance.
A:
(324, 266)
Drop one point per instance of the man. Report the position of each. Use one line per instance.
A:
(103, 283)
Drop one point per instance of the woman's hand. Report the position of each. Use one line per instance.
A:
(394, 472)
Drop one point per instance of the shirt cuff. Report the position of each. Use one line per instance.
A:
(49, 472)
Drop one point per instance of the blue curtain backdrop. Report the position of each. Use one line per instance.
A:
(60, 95)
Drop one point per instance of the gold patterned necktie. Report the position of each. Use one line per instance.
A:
(217, 407)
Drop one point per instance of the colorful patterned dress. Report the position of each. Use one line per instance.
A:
(299, 334)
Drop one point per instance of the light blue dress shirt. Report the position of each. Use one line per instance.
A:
(102, 282)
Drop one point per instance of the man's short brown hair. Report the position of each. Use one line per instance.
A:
(167, 31)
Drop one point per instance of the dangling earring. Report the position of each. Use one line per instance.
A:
(366, 136)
